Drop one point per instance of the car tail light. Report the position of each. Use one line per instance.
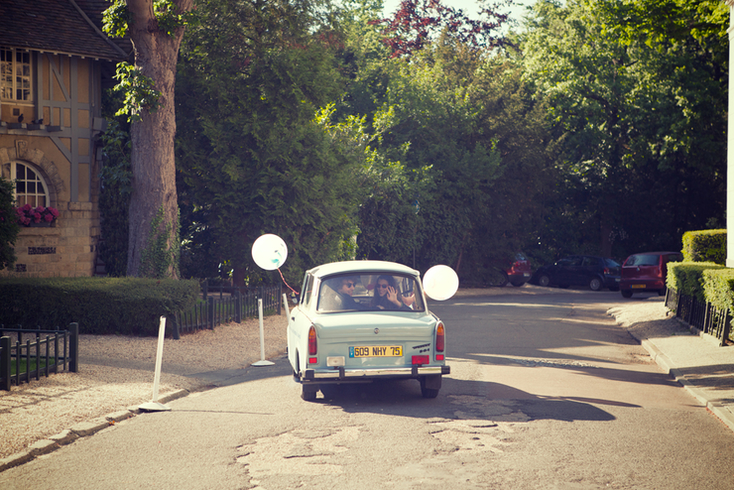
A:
(420, 360)
(440, 341)
(313, 345)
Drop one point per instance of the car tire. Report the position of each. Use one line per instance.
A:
(595, 284)
(501, 279)
(544, 280)
(518, 284)
(661, 292)
(428, 386)
(626, 293)
(308, 392)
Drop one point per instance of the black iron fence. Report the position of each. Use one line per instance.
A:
(29, 353)
(224, 304)
(703, 316)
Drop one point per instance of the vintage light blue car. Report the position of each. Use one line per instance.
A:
(359, 321)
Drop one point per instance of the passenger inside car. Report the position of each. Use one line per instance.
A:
(341, 299)
(386, 296)
(376, 292)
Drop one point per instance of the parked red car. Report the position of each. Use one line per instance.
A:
(519, 272)
(646, 272)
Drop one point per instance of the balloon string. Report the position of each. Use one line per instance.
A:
(281, 276)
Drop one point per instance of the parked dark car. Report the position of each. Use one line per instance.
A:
(646, 272)
(580, 270)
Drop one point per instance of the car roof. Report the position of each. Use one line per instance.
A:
(359, 266)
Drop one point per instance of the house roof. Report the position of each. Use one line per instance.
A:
(72, 27)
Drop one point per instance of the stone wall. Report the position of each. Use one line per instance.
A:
(66, 249)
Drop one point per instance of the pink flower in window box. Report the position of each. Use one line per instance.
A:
(28, 215)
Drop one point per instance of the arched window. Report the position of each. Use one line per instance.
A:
(30, 188)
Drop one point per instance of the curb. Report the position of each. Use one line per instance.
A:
(82, 429)
(721, 411)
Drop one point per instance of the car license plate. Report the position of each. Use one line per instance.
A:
(376, 351)
(638, 286)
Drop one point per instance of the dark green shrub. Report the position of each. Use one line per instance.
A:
(9, 226)
(125, 306)
(705, 246)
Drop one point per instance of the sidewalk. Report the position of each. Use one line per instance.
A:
(697, 362)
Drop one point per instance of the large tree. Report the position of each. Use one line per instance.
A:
(639, 118)
(254, 156)
(466, 142)
(156, 29)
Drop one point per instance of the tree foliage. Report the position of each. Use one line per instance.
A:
(114, 199)
(458, 161)
(416, 23)
(639, 120)
(253, 156)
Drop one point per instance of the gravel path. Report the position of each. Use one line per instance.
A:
(116, 372)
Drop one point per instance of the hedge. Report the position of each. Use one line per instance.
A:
(686, 277)
(705, 246)
(125, 306)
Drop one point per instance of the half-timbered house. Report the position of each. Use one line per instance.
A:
(54, 63)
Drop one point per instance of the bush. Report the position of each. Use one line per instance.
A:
(718, 288)
(125, 306)
(9, 227)
(686, 277)
(705, 246)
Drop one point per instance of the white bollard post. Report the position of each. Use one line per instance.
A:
(262, 361)
(285, 304)
(153, 405)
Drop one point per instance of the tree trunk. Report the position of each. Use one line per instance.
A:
(153, 162)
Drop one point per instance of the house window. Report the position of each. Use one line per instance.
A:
(30, 188)
(15, 75)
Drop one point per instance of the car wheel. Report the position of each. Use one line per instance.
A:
(498, 278)
(595, 284)
(626, 293)
(661, 292)
(308, 392)
(518, 284)
(544, 280)
(430, 385)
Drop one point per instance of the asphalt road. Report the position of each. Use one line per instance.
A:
(545, 392)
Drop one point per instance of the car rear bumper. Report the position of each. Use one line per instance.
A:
(519, 277)
(641, 285)
(341, 374)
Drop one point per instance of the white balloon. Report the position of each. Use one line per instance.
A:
(269, 252)
(440, 282)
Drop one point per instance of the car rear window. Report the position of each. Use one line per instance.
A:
(642, 259)
(365, 293)
(611, 263)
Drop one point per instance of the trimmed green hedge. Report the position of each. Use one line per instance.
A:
(125, 306)
(705, 246)
(718, 286)
(687, 277)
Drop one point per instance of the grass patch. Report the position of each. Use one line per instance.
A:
(26, 368)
